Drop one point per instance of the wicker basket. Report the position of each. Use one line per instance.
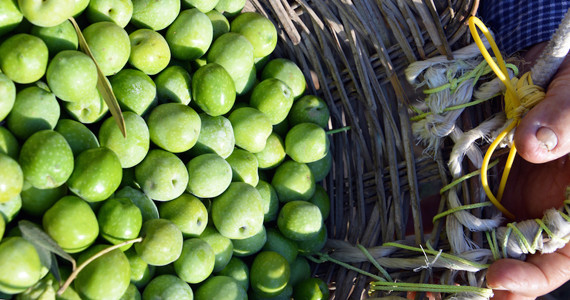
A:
(353, 52)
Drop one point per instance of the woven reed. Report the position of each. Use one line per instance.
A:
(353, 53)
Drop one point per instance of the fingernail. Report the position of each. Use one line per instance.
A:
(547, 138)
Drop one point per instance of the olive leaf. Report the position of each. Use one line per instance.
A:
(103, 85)
(40, 239)
(48, 260)
(141, 200)
(44, 254)
(54, 268)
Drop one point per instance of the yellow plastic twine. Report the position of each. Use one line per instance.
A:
(521, 95)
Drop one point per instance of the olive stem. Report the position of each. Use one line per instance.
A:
(342, 129)
(90, 259)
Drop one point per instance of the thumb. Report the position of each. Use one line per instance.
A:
(544, 133)
(539, 275)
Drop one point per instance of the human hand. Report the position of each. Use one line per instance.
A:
(531, 190)
(536, 183)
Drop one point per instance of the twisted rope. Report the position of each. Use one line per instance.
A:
(440, 121)
(553, 55)
(514, 240)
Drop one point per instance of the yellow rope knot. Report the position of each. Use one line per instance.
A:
(520, 96)
(528, 94)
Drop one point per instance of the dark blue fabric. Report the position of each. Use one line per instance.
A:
(519, 24)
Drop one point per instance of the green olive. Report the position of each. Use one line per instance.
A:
(20, 265)
(71, 223)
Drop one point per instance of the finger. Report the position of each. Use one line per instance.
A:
(506, 295)
(539, 275)
(544, 133)
(529, 182)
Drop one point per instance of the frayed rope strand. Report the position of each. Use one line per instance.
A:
(481, 69)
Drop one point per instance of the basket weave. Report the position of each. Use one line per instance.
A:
(353, 53)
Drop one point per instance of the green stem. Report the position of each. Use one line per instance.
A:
(465, 177)
(492, 245)
(326, 257)
(522, 239)
(374, 262)
(419, 117)
(426, 287)
(462, 207)
(92, 258)
(333, 131)
(319, 260)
